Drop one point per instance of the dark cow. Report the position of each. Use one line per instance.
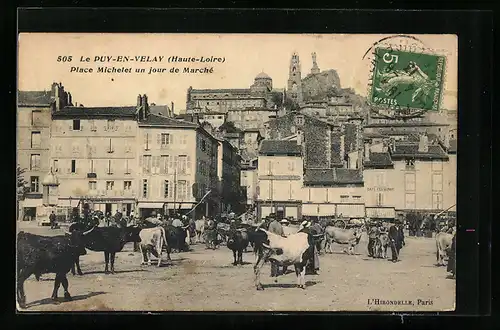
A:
(237, 241)
(176, 237)
(109, 240)
(42, 254)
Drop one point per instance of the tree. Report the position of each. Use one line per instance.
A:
(22, 187)
(229, 127)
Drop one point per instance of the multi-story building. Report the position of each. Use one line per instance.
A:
(250, 118)
(93, 153)
(177, 166)
(333, 192)
(249, 180)
(33, 140)
(280, 174)
(228, 173)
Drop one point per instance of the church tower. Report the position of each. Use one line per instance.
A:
(315, 69)
(294, 79)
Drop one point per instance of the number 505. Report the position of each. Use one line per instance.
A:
(388, 58)
(64, 58)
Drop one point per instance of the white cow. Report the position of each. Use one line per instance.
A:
(337, 235)
(200, 230)
(283, 251)
(152, 240)
(443, 242)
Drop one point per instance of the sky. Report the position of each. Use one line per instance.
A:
(245, 56)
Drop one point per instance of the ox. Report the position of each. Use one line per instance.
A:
(176, 237)
(337, 235)
(296, 250)
(109, 240)
(152, 240)
(443, 242)
(237, 241)
(41, 255)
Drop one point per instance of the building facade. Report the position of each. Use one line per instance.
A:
(229, 176)
(33, 126)
(280, 173)
(249, 180)
(93, 152)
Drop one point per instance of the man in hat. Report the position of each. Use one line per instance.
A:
(52, 219)
(286, 229)
(373, 234)
(396, 239)
(313, 265)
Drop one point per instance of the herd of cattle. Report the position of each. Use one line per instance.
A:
(37, 255)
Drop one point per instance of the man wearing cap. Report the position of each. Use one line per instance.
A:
(313, 265)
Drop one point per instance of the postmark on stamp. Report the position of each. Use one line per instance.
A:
(405, 79)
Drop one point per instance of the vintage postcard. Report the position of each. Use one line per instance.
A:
(236, 172)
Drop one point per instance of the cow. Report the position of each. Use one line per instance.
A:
(443, 242)
(42, 254)
(152, 240)
(109, 240)
(237, 242)
(337, 235)
(176, 237)
(200, 230)
(296, 250)
(381, 245)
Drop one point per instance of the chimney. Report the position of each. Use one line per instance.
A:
(195, 118)
(70, 101)
(423, 145)
(139, 100)
(145, 106)
(367, 152)
(172, 109)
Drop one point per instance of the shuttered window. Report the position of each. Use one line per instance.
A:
(146, 164)
(437, 182)
(164, 164)
(36, 139)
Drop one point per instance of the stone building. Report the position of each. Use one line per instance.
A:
(249, 180)
(34, 110)
(93, 151)
(228, 173)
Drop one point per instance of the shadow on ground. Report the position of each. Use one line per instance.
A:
(287, 285)
(47, 301)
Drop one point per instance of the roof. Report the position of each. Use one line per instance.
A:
(411, 150)
(155, 120)
(408, 124)
(128, 111)
(453, 147)
(262, 75)
(279, 147)
(379, 160)
(34, 98)
(332, 176)
(221, 90)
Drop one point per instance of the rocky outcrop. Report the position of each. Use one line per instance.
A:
(316, 86)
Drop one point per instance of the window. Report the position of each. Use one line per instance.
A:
(165, 189)
(147, 141)
(410, 181)
(92, 166)
(437, 182)
(437, 201)
(35, 162)
(110, 147)
(380, 199)
(165, 139)
(76, 124)
(437, 165)
(127, 169)
(299, 120)
(36, 139)
(380, 179)
(291, 165)
(110, 125)
(203, 145)
(409, 201)
(110, 169)
(270, 167)
(110, 185)
(55, 165)
(145, 188)
(127, 185)
(182, 164)
(73, 166)
(181, 189)
(146, 164)
(34, 183)
(184, 139)
(36, 117)
(92, 185)
(344, 198)
(164, 162)
(410, 164)
(93, 127)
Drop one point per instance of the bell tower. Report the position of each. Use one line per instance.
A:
(295, 79)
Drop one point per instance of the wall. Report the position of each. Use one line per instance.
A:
(380, 187)
(280, 177)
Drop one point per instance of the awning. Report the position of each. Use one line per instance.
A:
(32, 202)
(351, 210)
(381, 212)
(310, 209)
(150, 205)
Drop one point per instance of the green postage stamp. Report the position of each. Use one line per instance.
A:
(403, 79)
